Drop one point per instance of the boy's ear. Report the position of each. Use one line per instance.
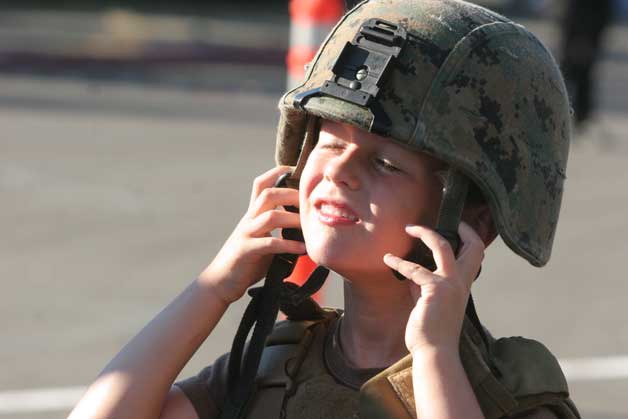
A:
(480, 219)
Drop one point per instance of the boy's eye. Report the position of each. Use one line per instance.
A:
(386, 165)
(329, 145)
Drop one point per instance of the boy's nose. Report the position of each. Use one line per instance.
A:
(343, 170)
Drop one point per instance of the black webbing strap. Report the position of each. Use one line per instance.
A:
(261, 312)
(475, 320)
(314, 283)
(455, 188)
(260, 316)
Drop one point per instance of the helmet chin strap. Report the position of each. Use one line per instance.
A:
(455, 188)
(294, 301)
(309, 142)
(261, 312)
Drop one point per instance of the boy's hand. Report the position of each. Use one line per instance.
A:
(247, 253)
(441, 296)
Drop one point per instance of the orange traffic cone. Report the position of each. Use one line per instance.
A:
(311, 21)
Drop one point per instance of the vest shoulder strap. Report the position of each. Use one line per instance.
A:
(510, 376)
(286, 349)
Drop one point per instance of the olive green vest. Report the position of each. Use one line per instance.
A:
(510, 376)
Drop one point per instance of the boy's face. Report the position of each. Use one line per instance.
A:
(357, 193)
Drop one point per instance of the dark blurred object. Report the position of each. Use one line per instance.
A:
(350, 4)
(192, 7)
(535, 8)
(584, 25)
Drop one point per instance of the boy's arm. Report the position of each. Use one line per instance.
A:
(178, 406)
(441, 387)
(136, 383)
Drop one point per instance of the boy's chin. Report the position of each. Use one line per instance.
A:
(347, 264)
(322, 257)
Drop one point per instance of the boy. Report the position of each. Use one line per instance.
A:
(406, 106)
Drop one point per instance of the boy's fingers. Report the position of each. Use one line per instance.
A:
(275, 245)
(415, 272)
(472, 251)
(271, 198)
(440, 247)
(266, 222)
(266, 180)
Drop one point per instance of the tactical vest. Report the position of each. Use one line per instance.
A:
(508, 376)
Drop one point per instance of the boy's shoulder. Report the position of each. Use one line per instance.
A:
(511, 377)
(526, 365)
(514, 374)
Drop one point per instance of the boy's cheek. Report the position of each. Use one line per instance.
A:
(306, 187)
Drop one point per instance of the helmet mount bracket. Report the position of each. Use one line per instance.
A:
(360, 70)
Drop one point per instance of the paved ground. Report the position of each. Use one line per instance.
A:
(115, 195)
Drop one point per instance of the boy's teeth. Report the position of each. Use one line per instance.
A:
(339, 212)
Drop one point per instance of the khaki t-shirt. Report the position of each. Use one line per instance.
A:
(327, 385)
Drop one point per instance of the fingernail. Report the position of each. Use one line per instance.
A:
(388, 258)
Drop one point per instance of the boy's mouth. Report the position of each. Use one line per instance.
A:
(335, 213)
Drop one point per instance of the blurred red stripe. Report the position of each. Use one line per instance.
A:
(316, 11)
(297, 58)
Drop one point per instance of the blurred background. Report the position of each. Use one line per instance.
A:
(131, 132)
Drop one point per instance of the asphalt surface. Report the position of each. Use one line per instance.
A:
(115, 195)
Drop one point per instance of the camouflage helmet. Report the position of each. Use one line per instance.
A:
(458, 82)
